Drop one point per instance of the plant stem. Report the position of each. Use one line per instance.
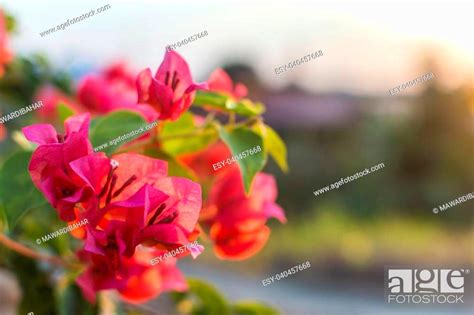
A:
(232, 124)
(187, 134)
(137, 144)
(28, 252)
(209, 118)
(231, 118)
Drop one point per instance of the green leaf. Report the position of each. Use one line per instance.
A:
(184, 126)
(17, 192)
(114, 125)
(64, 111)
(243, 107)
(202, 298)
(242, 140)
(273, 144)
(253, 308)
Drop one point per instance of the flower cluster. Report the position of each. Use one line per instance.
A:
(135, 211)
(236, 220)
(164, 96)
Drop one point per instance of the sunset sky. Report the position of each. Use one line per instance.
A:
(368, 48)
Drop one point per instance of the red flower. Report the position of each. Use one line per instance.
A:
(133, 193)
(144, 214)
(165, 210)
(114, 254)
(136, 280)
(171, 91)
(119, 72)
(237, 222)
(137, 206)
(112, 90)
(6, 55)
(119, 223)
(50, 167)
(135, 212)
(220, 82)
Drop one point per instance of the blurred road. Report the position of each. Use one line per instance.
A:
(295, 299)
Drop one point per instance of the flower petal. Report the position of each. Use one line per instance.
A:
(185, 198)
(174, 62)
(79, 124)
(93, 169)
(40, 133)
(234, 245)
(144, 80)
(272, 210)
(169, 234)
(220, 81)
(147, 170)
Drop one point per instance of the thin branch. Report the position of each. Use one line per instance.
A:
(134, 145)
(187, 134)
(209, 118)
(28, 252)
(231, 118)
(203, 131)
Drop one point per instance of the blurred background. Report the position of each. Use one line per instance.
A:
(337, 118)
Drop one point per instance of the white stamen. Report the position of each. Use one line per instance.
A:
(114, 163)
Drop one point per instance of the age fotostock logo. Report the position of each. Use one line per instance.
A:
(424, 286)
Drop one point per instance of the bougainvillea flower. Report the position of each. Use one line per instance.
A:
(118, 72)
(173, 223)
(140, 213)
(134, 277)
(51, 98)
(50, 168)
(184, 202)
(99, 96)
(237, 222)
(101, 274)
(166, 209)
(118, 224)
(117, 240)
(112, 91)
(220, 82)
(171, 91)
(6, 55)
(136, 199)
